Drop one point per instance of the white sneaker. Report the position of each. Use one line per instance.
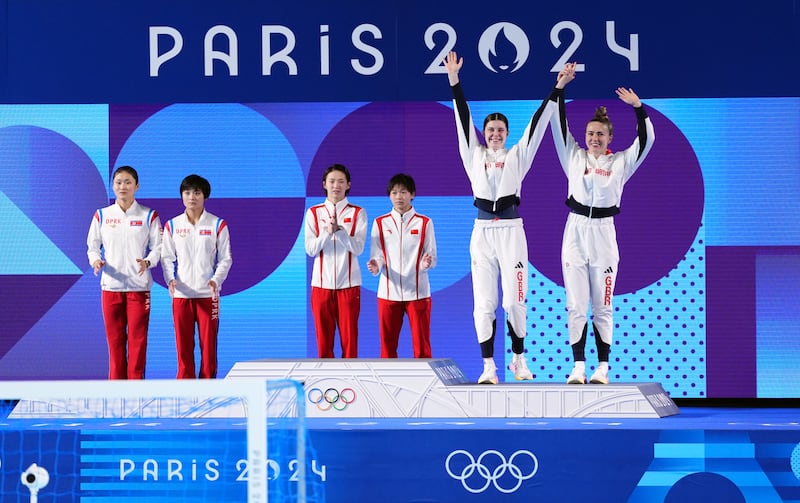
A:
(520, 368)
(600, 376)
(577, 376)
(489, 375)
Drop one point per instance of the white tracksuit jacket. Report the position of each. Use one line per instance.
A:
(121, 237)
(202, 252)
(398, 243)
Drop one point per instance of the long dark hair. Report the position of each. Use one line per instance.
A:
(336, 167)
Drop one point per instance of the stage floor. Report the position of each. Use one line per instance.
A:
(689, 418)
(701, 454)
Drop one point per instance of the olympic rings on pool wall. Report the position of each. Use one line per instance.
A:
(491, 467)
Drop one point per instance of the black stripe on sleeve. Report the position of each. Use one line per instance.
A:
(462, 108)
(641, 128)
(558, 96)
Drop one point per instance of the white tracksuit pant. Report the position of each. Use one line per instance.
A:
(499, 247)
(589, 260)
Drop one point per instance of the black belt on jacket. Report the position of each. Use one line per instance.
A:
(497, 206)
(589, 211)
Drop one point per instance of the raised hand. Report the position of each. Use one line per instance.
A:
(629, 97)
(452, 64)
(566, 75)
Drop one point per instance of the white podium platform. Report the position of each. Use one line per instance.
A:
(378, 388)
(436, 388)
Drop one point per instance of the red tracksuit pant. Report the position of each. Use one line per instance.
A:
(334, 308)
(390, 314)
(204, 313)
(127, 318)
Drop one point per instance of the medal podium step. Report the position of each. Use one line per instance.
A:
(436, 388)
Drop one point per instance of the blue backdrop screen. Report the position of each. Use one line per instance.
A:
(260, 101)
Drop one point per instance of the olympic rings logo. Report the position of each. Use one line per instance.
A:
(492, 467)
(331, 398)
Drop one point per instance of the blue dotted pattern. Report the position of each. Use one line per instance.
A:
(795, 463)
(659, 333)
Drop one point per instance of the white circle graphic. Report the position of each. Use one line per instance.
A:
(506, 35)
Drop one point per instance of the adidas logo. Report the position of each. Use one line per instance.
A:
(519, 266)
(610, 270)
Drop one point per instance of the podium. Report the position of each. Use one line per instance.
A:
(436, 388)
(380, 388)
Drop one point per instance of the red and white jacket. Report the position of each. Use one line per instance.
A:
(335, 255)
(202, 251)
(120, 237)
(398, 243)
